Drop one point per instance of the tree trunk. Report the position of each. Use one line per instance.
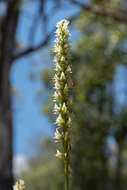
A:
(7, 31)
(6, 176)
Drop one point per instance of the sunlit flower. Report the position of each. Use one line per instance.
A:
(19, 185)
(62, 76)
(59, 154)
(60, 121)
(57, 109)
(64, 108)
(57, 136)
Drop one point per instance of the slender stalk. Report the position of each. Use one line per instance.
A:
(62, 85)
(66, 164)
(66, 171)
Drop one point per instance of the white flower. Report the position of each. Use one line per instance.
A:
(56, 96)
(60, 121)
(57, 85)
(64, 108)
(57, 109)
(58, 32)
(63, 23)
(57, 136)
(59, 154)
(62, 76)
(56, 78)
(58, 68)
(68, 69)
(19, 185)
(62, 30)
(58, 49)
(62, 58)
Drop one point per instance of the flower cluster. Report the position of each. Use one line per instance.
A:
(19, 185)
(62, 85)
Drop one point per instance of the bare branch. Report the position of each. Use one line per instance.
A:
(33, 49)
(40, 45)
(99, 10)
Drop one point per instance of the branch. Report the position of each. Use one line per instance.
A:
(99, 10)
(40, 45)
(33, 49)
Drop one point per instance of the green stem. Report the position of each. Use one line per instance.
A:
(66, 159)
(66, 171)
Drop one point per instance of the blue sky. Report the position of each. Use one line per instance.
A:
(30, 124)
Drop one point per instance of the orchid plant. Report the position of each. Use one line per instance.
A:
(62, 99)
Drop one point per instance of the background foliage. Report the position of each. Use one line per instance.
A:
(99, 55)
(99, 129)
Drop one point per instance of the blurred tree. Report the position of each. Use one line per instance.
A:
(97, 55)
(8, 25)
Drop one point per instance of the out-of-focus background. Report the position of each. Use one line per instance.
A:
(99, 59)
